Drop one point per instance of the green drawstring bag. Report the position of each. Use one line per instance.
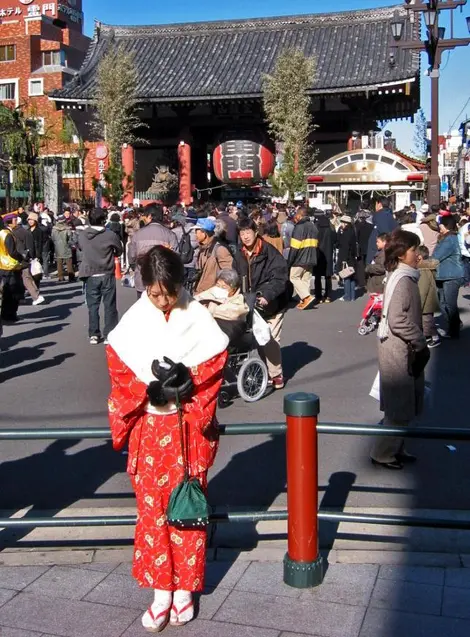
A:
(188, 507)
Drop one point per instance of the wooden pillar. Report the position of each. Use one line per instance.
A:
(184, 169)
(127, 155)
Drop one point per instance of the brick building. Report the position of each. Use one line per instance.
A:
(42, 46)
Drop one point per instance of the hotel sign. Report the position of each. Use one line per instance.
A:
(34, 9)
(29, 10)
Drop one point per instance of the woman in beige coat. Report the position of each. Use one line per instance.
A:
(403, 352)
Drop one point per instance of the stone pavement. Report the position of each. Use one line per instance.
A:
(243, 598)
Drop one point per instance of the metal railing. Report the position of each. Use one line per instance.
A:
(242, 429)
(303, 563)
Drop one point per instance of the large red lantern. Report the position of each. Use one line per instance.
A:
(242, 161)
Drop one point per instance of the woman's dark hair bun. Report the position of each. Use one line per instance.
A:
(162, 265)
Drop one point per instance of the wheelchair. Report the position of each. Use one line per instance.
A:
(245, 371)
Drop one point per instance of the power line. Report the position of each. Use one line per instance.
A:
(443, 68)
(457, 118)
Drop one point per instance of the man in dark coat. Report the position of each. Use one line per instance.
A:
(303, 257)
(26, 246)
(230, 224)
(384, 223)
(265, 281)
(375, 271)
(364, 228)
(99, 248)
(347, 251)
(154, 233)
(324, 266)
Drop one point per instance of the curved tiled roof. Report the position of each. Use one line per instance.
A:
(211, 60)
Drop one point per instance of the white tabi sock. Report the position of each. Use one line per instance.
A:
(160, 609)
(182, 610)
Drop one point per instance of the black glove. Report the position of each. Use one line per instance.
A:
(155, 394)
(417, 361)
(175, 379)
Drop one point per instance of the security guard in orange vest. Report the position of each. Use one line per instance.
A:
(11, 262)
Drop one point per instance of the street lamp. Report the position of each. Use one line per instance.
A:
(430, 17)
(434, 44)
(397, 25)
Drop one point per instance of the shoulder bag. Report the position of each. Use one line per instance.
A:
(347, 271)
(188, 507)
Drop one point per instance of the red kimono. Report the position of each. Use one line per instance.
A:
(165, 558)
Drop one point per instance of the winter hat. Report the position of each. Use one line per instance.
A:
(179, 217)
(205, 224)
(33, 216)
(346, 219)
(9, 216)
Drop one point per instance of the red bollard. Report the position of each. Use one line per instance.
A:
(303, 565)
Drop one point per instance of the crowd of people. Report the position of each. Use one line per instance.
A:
(303, 250)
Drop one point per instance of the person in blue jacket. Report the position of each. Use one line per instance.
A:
(384, 223)
(450, 275)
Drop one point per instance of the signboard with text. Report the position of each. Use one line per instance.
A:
(68, 10)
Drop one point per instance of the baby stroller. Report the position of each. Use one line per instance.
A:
(371, 315)
(245, 371)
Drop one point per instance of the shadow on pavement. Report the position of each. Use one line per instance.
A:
(32, 368)
(22, 354)
(14, 339)
(334, 499)
(57, 296)
(233, 488)
(63, 417)
(49, 313)
(298, 355)
(336, 373)
(53, 480)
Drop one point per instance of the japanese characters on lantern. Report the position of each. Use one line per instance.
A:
(242, 160)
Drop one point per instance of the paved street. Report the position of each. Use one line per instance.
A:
(243, 598)
(51, 376)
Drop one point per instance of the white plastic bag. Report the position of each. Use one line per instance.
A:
(36, 267)
(128, 280)
(261, 329)
(375, 389)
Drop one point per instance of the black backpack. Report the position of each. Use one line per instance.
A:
(185, 248)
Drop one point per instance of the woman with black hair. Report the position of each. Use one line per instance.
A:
(450, 275)
(272, 235)
(152, 414)
(403, 353)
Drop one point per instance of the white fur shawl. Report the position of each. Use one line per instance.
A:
(190, 336)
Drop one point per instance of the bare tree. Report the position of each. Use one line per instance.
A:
(287, 107)
(420, 137)
(116, 116)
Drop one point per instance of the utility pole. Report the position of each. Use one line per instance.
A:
(434, 45)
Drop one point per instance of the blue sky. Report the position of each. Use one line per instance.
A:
(455, 84)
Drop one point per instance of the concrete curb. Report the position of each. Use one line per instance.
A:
(28, 557)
